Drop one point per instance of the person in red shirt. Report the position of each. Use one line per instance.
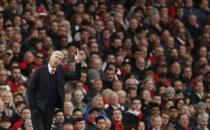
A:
(117, 123)
(25, 114)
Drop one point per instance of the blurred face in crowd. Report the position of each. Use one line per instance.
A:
(199, 87)
(110, 58)
(207, 101)
(204, 5)
(156, 99)
(117, 116)
(131, 83)
(202, 120)
(98, 85)
(15, 47)
(141, 126)
(136, 105)
(99, 25)
(185, 109)
(122, 97)
(165, 119)
(29, 56)
(156, 122)
(9, 31)
(56, 59)
(78, 95)
(80, 125)
(77, 114)
(3, 75)
(94, 47)
(68, 108)
(117, 42)
(178, 85)
(149, 85)
(189, 3)
(114, 99)
(54, 26)
(1, 106)
(59, 118)
(173, 113)
(169, 104)
(184, 120)
(26, 114)
(202, 52)
(133, 24)
(96, 63)
(101, 124)
(188, 72)
(140, 63)
(176, 68)
(7, 97)
(180, 103)
(117, 85)
(2, 47)
(68, 127)
(110, 74)
(108, 124)
(16, 74)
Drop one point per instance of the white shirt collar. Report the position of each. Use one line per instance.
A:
(50, 68)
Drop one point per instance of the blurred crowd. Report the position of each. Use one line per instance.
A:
(145, 63)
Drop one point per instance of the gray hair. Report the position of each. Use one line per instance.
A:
(58, 53)
(202, 115)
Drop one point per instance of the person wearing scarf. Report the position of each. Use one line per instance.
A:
(117, 123)
(134, 115)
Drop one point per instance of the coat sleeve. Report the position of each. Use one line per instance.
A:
(33, 83)
(73, 76)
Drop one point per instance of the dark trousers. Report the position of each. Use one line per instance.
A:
(42, 120)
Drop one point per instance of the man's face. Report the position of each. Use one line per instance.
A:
(199, 87)
(68, 127)
(101, 124)
(16, 74)
(157, 99)
(68, 108)
(110, 75)
(77, 114)
(203, 122)
(165, 118)
(157, 122)
(184, 121)
(208, 103)
(59, 117)
(117, 115)
(136, 105)
(80, 125)
(26, 114)
(173, 113)
(55, 60)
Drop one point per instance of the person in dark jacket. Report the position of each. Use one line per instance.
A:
(183, 123)
(47, 82)
(133, 115)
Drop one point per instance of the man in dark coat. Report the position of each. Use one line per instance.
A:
(46, 89)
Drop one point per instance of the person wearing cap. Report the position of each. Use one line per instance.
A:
(46, 89)
(200, 107)
(169, 94)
